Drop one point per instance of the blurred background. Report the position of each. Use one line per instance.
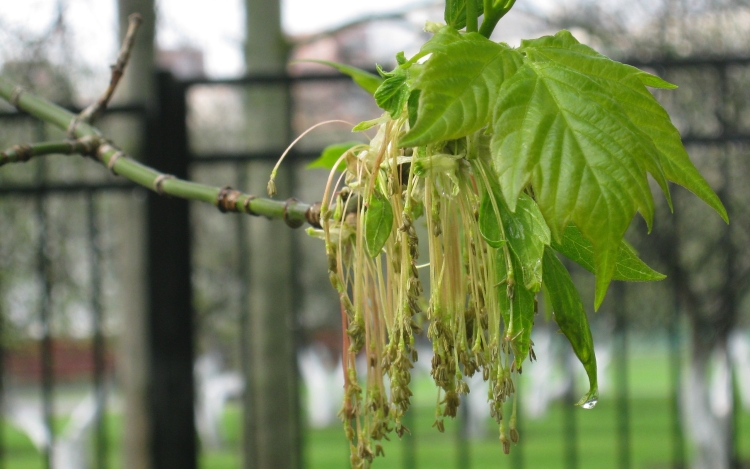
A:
(147, 333)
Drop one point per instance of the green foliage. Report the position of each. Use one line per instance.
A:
(527, 235)
(512, 155)
(520, 304)
(628, 266)
(459, 85)
(331, 155)
(393, 93)
(570, 315)
(524, 230)
(489, 221)
(455, 13)
(581, 131)
(366, 80)
(378, 224)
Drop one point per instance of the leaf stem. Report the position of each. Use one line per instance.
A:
(493, 12)
(471, 16)
(293, 212)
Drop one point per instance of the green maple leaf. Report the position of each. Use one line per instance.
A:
(560, 131)
(570, 315)
(455, 13)
(524, 230)
(393, 93)
(458, 85)
(627, 85)
(517, 305)
(378, 224)
(366, 80)
(331, 154)
(628, 267)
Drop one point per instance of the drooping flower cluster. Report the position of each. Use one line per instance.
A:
(369, 219)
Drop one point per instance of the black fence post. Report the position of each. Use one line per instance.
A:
(170, 309)
(622, 413)
(98, 347)
(570, 422)
(675, 381)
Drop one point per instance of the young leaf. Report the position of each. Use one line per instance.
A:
(518, 306)
(627, 85)
(378, 224)
(628, 267)
(525, 230)
(331, 155)
(392, 94)
(455, 13)
(562, 132)
(527, 235)
(489, 224)
(570, 315)
(366, 80)
(412, 106)
(459, 85)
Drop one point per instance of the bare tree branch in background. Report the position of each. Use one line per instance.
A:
(398, 15)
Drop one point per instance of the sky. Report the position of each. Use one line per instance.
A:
(217, 30)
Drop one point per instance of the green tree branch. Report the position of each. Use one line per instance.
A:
(293, 212)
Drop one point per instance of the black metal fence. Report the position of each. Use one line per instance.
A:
(170, 276)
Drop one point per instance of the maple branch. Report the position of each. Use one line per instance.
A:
(293, 212)
(95, 109)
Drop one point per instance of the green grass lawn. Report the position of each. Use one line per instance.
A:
(543, 441)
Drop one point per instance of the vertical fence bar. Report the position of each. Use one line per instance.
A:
(736, 413)
(44, 269)
(170, 302)
(46, 342)
(729, 126)
(99, 348)
(408, 441)
(296, 327)
(2, 382)
(249, 438)
(675, 381)
(569, 415)
(463, 453)
(516, 452)
(621, 369)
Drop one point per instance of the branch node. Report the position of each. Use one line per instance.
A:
(312, 214)
(15, 96)
(71, 130)
(291, 223)
(89, 145)
(113, 159)
(159, 182)
(246, 205)
(227, 199)
(23, 152)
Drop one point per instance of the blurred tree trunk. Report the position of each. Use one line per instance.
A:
(703, 265)
(271, 432)
(709, 409)
(136, 87)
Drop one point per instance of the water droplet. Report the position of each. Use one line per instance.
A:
(590, 402)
